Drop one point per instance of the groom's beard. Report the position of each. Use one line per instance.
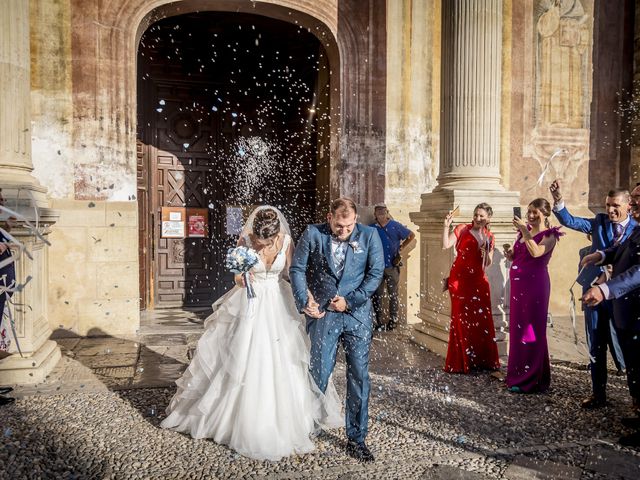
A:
(337, 237)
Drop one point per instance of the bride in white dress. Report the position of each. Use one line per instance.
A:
(248, 385)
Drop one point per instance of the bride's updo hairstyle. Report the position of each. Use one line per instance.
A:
(266, 224)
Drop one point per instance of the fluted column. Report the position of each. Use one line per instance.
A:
(23, 194)
(471, 91)
(470, 142)
(15, 104)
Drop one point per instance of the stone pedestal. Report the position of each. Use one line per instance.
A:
(23, 194)
(469, 162)
(29, 311)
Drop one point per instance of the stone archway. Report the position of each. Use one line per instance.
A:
(210, 83)
(105, 40)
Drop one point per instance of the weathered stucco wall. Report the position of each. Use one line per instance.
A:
(413, 119)
(83, 77)
(550, 107)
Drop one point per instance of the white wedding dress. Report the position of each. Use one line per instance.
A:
(248, 385)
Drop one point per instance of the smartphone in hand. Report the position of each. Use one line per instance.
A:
(517, 212)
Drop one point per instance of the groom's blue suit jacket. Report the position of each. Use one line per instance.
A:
(313, 268)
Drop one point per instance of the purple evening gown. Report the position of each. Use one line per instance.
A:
(528, 365)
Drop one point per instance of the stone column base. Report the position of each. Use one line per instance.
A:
(435, 263)
(31, 369)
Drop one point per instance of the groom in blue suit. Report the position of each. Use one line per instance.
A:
(606, 230)
(335, 270)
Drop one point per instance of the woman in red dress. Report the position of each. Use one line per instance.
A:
(472, 342)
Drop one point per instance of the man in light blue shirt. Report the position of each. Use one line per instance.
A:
(395, 237)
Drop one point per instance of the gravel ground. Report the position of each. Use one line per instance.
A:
(424, 424)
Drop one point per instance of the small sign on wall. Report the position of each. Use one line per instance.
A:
(236, 216)
(234, 220)
(173, 222)
(197, 222)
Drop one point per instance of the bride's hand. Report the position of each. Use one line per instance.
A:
(312, 309)
(239, 279)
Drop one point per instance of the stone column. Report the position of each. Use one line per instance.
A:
(23, 193)
(469, 161)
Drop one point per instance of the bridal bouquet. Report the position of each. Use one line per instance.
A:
(240, 260)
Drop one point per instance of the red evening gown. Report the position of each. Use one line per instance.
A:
(472, 334)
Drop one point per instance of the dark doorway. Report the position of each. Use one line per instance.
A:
(232, 113)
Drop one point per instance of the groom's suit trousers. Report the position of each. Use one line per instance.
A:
(326, 333)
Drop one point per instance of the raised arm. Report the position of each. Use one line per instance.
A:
(535, 249)
(584, 225)
(448, 237)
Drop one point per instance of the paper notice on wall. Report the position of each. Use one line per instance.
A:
(175, 216)
(234, 220)
(172, 229)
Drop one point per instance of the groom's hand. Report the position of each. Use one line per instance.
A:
(338, 304)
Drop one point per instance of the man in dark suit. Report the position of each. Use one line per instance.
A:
(624, 289)
(606, 229)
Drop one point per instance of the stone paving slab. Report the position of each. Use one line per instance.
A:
(525, 468)
(609, 461)
(446, 472)
(157, 374)
(165, 340)
(110, 346)
(178, 353)
(68, 344)
(109, 360)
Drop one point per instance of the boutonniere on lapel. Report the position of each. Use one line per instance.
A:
(356, 247)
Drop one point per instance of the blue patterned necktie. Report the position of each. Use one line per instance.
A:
(618, 231)
(339, 255)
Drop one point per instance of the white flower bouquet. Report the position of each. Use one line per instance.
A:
(240, 260)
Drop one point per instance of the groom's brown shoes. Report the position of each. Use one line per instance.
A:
(360, 452)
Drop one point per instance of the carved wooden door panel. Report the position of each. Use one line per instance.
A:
(144, 246)
(189, 271)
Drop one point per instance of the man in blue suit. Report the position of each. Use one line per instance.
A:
(606, 229)
(624, 289)
(335, 270)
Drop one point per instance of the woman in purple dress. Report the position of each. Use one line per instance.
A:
(528, 367)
